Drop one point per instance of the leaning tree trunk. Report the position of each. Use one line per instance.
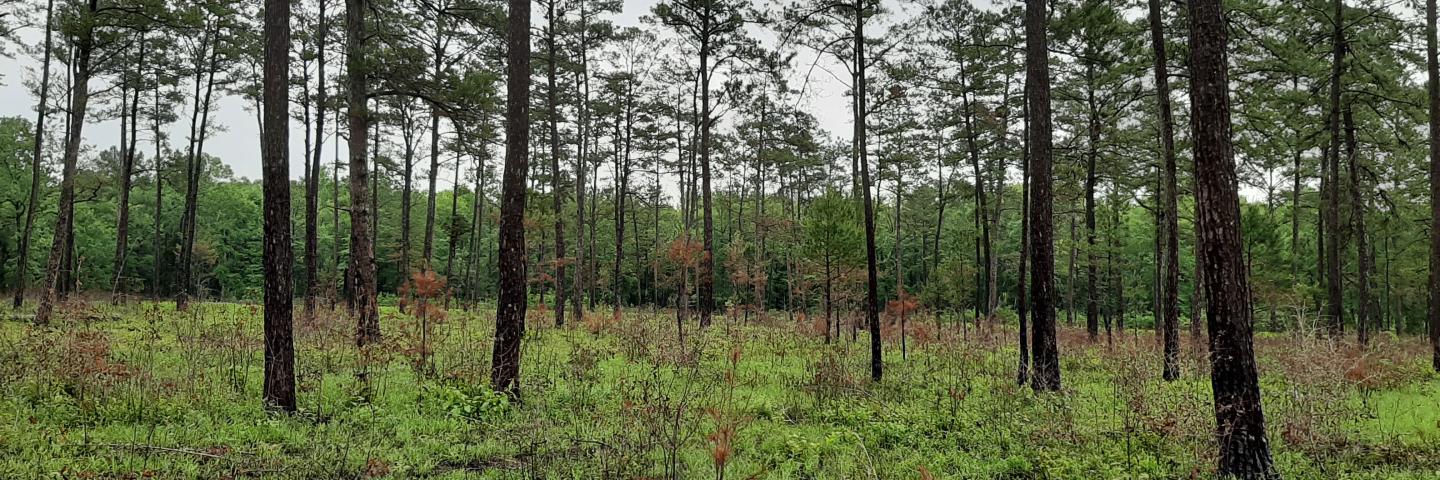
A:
(1170, 305)
(275, 156)
(22, 270)
(510, 309)
(362, 247)
(1042, 230)
(1240, 433)
(79, 100)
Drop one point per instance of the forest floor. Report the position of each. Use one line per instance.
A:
(142, 391)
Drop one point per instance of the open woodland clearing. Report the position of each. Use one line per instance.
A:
(1044, 239)
(172, 395)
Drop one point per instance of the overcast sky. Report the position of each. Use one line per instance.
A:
(237, 142)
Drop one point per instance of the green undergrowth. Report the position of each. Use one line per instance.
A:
(142, 391)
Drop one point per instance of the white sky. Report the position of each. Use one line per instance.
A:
(236, 144)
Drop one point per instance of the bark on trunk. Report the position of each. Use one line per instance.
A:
(1240, 422)
(1170, 305)
(42, 111)
(1042, 235)
(279, 390)
(510, 309)
(362, 247)
(79, 100)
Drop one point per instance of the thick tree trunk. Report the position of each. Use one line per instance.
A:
(1170, 305)
(1240, 432)
(510, 309)
(1042, 231)
(362, 247)
(64, 221)
(42, 111)
(275, 152)
(1432, 72)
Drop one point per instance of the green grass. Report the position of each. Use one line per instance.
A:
(176, 395)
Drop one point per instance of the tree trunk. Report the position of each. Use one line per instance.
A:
(362, 247)
(1364, 313)
(1334, 287)
(1042, 230)
(195, 165)
(510, 309)
(1432, 72)
(79, 100)
(872, 296)
(129, 138)
(1170, 305)
(42, 110)
(556, 194)
(1092, 154)
(275, 152)
(1022, 303)
(312, 175)
(1244, 450)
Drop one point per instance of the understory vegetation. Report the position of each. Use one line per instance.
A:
(141, 391)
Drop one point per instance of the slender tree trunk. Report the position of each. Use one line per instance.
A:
(1042, 235)
(1364, 313)
(707, 260)
(872, 297)
(79, 100)
(556, 193)
(1170, 305)
(313, 172)
(1022, 303)
(42, 110)
(279, 335)
(129, 138)
(1240, 433)
(362, 246)
(1334, 287)
(1092, 154)
(195, 165)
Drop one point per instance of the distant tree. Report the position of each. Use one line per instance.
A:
(832, 240)
(1170, 309)
(22, 270)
